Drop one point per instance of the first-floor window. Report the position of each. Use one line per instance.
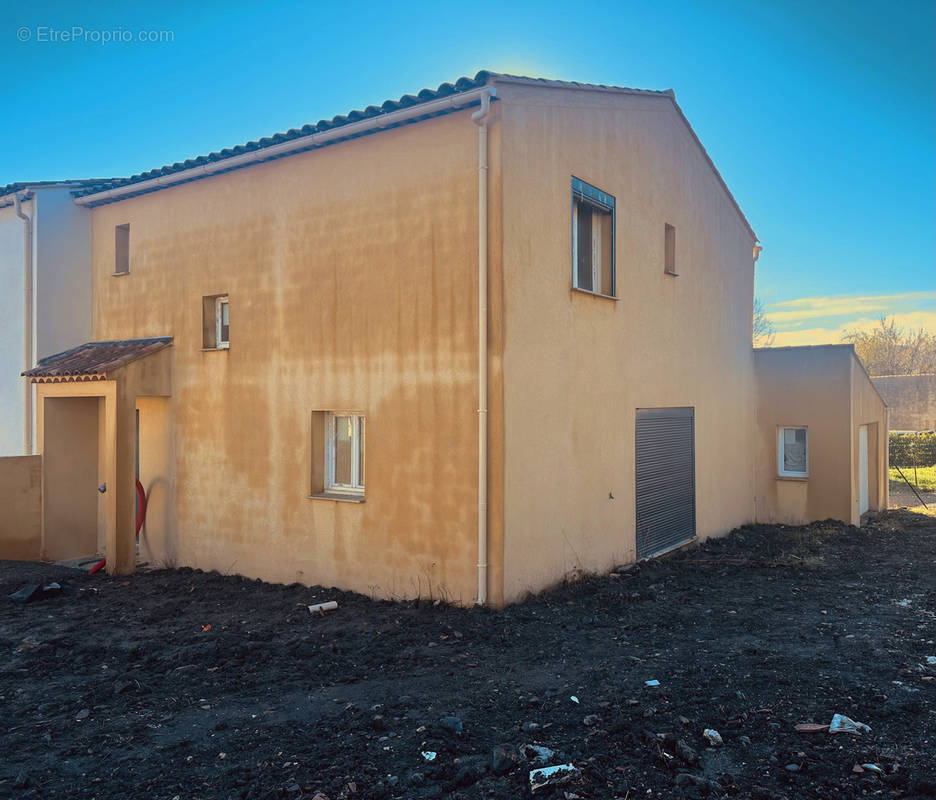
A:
(222, 323)
(216, 322)
(592, 239)
(344, 455)
(793, 453)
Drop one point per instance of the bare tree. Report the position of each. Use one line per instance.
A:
(890, 350)
(764, 330)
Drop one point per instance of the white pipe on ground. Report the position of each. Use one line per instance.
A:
(27, 325)
(480, 118)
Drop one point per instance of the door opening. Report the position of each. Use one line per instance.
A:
(665, 469)
(863, 494)
(71, 477)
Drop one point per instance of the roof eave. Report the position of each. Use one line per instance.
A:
(458, 101)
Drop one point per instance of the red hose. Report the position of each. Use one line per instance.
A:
(141, 507)
(97, 567)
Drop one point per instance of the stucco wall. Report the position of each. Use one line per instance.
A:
(911, 401)
(577, 366)
(825, 389)
(157, 537)
(20, 499)
(351, 273)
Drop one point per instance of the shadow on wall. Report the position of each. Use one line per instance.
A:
(157, 538)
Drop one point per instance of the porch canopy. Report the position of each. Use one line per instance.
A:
(89, 428)
(92, 361)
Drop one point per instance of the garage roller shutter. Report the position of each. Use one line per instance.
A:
(665, 479)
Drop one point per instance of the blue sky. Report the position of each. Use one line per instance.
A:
(820, 115)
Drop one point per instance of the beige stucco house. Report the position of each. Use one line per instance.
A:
(461, 345)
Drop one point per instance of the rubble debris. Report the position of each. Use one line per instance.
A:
(551, 776)
(537, 753)
(321, 608)
(503, 759)
(686, 753)
(712, 737)
(36, 591)
(452, 724)
(842, 724)
(811, 727)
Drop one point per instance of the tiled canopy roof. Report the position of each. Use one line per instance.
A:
(93, 360)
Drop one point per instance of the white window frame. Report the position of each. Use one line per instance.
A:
(358, 450)
(600, 203)
(222, 344)
(781, 471)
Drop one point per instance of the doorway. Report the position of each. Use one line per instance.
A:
(70, 496)
(665, 467)
(863, 489)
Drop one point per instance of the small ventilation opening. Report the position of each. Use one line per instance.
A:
(122, 249)
(669, 250)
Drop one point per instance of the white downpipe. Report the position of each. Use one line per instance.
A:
(27, 325)
(480, 118)
(454, 101)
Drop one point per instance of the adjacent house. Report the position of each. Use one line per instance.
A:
(459, 345)
(45, 305)
(822, 436)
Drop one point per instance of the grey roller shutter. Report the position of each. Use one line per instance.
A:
(665, 479)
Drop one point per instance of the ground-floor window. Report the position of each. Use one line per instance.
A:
(344, 453)
(793, 452)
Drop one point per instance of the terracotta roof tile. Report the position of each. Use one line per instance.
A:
(95, 359)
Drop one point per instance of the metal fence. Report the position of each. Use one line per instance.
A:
(912, 449)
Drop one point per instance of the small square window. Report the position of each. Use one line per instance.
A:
(122, 249)
(222, 322)
(216, 322)
(793, 453)
(344, 453)
(592, 239)
(669, 249)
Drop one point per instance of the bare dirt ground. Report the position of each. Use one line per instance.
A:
(119, 688)
(902, 496)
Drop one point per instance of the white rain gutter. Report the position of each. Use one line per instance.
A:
(27, 325)
(452, 102)
(481, 119)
